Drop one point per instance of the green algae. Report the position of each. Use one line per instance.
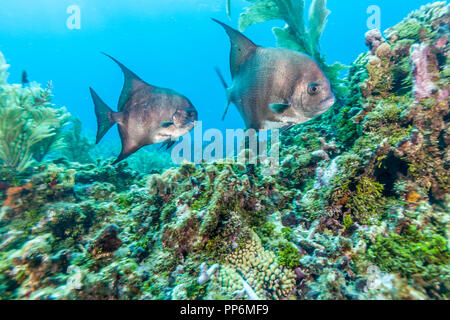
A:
(412, 252)
(288, 256)
(413, 29)
(367, 201)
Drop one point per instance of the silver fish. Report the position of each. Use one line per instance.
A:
(274, 87)
(146, 114)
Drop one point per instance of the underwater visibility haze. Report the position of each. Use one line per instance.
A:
(339, 189)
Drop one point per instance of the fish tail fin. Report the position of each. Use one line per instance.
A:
(105, 119)
(224, 83)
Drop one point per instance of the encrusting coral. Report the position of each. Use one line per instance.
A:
(358, 210)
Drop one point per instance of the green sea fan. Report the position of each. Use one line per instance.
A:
(295, 35)
(318, 14)
(30, 126)
(18, 135)
(56, 120)
(3, 68)
(260, 11)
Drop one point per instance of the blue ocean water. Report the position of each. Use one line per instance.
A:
(169, 43)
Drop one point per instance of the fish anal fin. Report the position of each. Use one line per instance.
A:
(129, 145)
(127, 150)
(241, 47)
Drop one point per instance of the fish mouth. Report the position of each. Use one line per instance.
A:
(190, 124)
(326, 103)
(185, 128)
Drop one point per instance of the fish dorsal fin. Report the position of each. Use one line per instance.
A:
(132, 82)
(241, 47)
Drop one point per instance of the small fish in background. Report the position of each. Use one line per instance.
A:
(146, 114)
(24, 80)
(274, 87)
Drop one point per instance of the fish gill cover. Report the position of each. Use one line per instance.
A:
(359, 210)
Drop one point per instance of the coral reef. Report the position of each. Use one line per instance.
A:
(359, 210)
(77, 147)
(148, 160)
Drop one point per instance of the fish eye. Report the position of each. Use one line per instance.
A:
(313, 88)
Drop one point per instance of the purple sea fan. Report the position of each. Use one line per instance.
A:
(423, 84)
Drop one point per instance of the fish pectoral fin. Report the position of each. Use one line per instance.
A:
(279, 107)
(166, 124)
